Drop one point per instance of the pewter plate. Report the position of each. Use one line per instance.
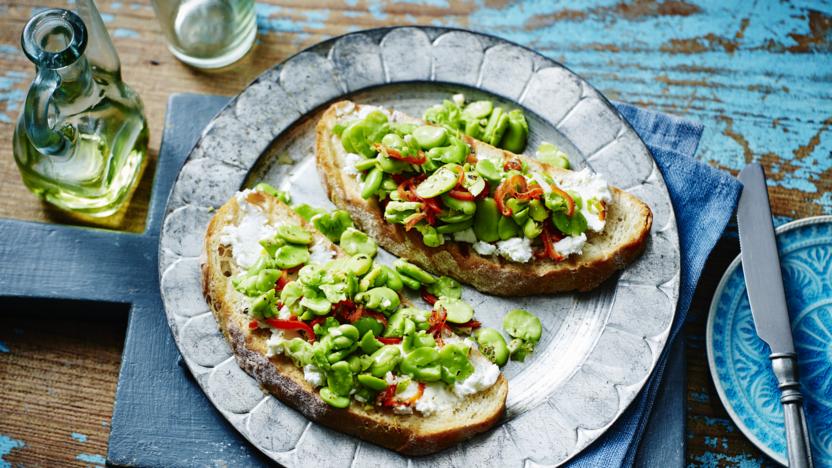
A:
(597, 349)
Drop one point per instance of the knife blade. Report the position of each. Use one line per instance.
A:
(761, 263)
(764, 283)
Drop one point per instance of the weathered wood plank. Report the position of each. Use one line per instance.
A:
(58, 374)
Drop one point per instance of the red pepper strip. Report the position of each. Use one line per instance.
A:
(428, 297)
(438, 324)
(603, 214)
(281, 324)
(420, 158)
(413, 220)
(509, 188)
(407, 188)
(432, 207)
(570, 203)
(512, 164)
(531, 193)
(253, 325)
(461, 176)
(390, 340)
(461, 195)
(346, 311)
(316, 321)
(281, 282)
(473, 324)
(471, 159)
(387, 398)
(549, 240)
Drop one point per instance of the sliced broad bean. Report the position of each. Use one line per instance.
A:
(410, 282)
(457, 310)
(507, 228)
(429, 374)
(397, 211)
(445, 286)
(369, 344)
(264, 306)
(382, 299)
(455, 363)
(290, 256)
(406, 268)
(355, 242)
(360, 264)
(520, 349)
(385, 359)
(514, 138)
(298, 350)
(492, 345)
(392, 278)
(291, 293)
(455, 227)
(294, 234)
(369, 324)
(441, 181)
(392, 140)
(306, 211)
(333, 224)
(478, 109)
(430, 136)
(417, 359)
(317, 305)
(354, 139)
(366, 164)
(532, 229)
(339, 378)
(496, 127)
(372, 183)
(336, 401)
(520, 216)
(570, 225)
(537, 211)
(430, 236)
(486, 220)
(453, 217)
(463, 206)
(489, 171)
(522, 324)
(372, 382)
(376, 277)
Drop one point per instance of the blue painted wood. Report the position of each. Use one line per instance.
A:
(161, 417)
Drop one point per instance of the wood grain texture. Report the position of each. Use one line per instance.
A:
(58, 373)
(758, 75)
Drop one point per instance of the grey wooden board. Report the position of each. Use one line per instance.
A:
(161, 417)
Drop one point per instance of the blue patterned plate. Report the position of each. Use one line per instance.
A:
(739, 359)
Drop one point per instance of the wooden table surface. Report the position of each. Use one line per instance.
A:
(757, 74)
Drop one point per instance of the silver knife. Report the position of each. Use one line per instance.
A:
(761, 266)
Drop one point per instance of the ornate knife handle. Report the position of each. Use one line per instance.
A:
(797, 434)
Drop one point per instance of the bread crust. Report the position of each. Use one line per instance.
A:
(406, 434)
(624, 238)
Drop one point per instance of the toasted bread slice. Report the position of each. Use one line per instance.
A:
(407, 434)
(628, 222)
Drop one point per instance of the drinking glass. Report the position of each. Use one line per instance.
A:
(207, 33)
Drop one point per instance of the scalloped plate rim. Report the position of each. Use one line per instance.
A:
(170, 204)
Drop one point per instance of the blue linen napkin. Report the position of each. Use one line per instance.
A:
(704, 200)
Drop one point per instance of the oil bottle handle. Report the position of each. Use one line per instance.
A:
(53, 138)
